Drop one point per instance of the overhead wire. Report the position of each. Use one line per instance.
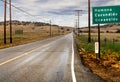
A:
(39, 16)
(22, 10)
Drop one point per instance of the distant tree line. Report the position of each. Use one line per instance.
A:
(16, 22)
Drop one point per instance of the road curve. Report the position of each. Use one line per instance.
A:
(44, 61)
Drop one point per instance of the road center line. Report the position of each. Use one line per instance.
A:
(27, 53)
(22, 55)
(72, 63)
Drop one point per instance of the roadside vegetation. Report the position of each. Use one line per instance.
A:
(19, 39)
(26, 32)
(108, 67)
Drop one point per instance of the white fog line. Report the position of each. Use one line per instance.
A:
(72, 63)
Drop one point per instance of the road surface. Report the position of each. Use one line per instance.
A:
(51, 60)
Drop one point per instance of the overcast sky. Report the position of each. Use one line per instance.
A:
(61, 12)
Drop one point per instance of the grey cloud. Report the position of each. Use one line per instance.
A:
(66, 11)
(41, 1)
(100, 2)
(61, 12)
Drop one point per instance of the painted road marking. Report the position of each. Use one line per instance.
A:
(27, 53)
(17, 57)
(72, 63)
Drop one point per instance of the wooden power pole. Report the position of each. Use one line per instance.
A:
(89, 20)
(4, 21)
(78, 13)
(10, 22)
(50, 29)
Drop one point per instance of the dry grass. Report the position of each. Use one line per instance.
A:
(108, 67)
(103, 68)
(38, 29)
(31, 33)
(22, 39)
(111, 29)
(108, 36)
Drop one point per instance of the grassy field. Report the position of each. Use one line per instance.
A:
(104, 29)
(108, 36)
(109, 42)
(19, 39)
(108, 67)
(30, 33)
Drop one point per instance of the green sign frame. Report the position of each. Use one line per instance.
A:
(106, 14)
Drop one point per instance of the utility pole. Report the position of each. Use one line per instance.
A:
(89, 20)
(78, 13)
(76, 26)
(4, 21)
(78, 21)
(58, 31)
(10, 22)
(50, 29)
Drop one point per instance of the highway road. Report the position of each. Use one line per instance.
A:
(51, 60)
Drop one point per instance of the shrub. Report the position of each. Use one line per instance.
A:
(118, 31)
(19, 32)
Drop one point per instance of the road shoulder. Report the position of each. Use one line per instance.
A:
(83, 73)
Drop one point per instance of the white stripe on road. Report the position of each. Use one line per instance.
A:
(72, 63)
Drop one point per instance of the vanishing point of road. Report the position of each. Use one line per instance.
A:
(50, 60)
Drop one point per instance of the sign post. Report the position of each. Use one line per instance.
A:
(98, 41)
(105, 15)
(97, 49)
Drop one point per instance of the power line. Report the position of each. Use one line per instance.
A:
(21, 10)
(18, 8)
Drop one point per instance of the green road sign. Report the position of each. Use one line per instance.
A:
(106, 14)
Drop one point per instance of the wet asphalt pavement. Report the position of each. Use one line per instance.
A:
(44, 61)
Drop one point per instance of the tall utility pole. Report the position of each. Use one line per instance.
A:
(76, 25)
(50, 29)
(10, 22)
(4, 21)
(78, 13)
(78, 21)
(58, 31)
(89, 20)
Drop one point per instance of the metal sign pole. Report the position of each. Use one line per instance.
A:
(99, 41)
